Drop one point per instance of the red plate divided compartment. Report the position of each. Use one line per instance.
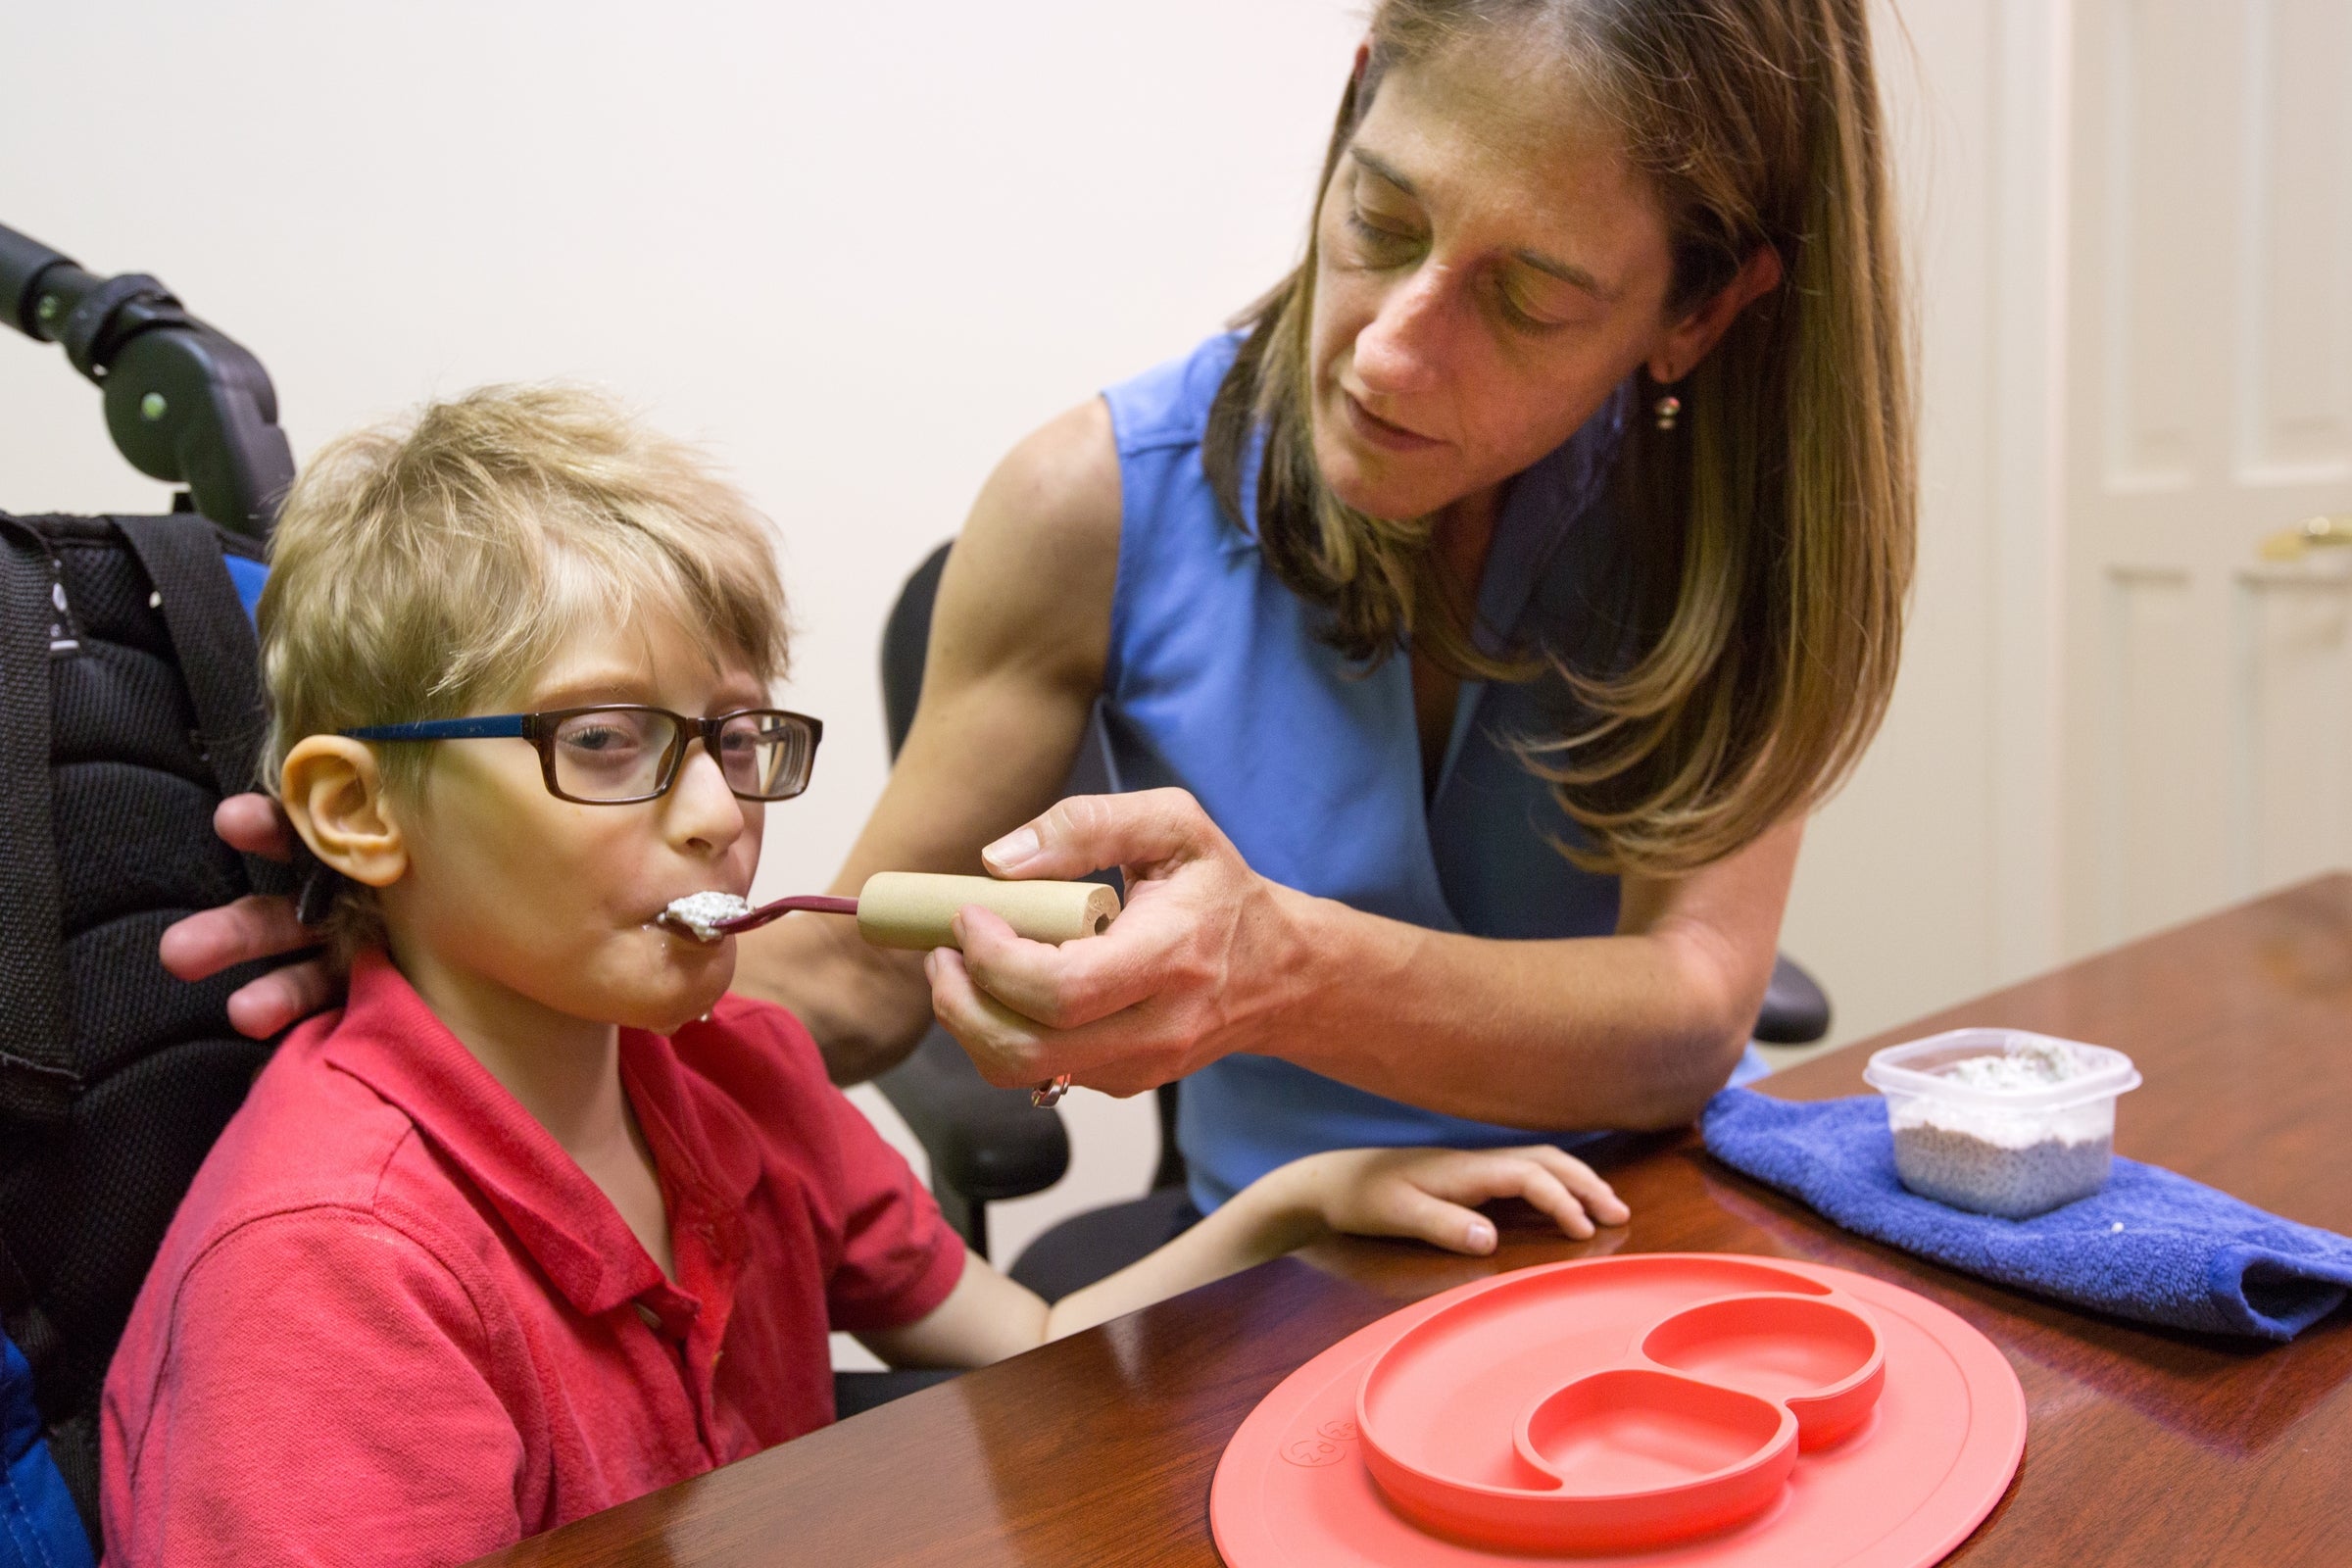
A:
(1659, 1408)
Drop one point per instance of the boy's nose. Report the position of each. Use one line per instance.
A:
(701, 807)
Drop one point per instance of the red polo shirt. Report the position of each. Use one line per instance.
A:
(394, 1323)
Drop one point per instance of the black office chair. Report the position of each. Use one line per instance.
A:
(1796, 1010)
(987, 1144)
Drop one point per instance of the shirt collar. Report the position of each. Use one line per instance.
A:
(705, 1146)
(389, 1040)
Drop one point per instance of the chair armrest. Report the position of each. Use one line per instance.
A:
(986, 1144)
(1796, 1011)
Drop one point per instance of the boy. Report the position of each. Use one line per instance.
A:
(543, 1219)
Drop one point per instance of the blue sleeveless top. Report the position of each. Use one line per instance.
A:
(1217, 682)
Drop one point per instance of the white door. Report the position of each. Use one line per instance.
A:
(2208, 690)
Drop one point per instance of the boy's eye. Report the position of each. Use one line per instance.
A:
(612, 754)
(604, 736)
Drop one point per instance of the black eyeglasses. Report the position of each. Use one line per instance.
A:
(621, 755)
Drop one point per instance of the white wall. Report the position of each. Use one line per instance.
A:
(859, 250)
(1932, 876)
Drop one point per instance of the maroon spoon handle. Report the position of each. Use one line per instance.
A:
(813, 902)
(1047, 1094)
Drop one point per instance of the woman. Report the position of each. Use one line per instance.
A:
(1495, 605)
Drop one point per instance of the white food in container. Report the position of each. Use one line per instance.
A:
(2000, 1121)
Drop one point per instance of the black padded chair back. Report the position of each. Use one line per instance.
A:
(905, 639)
(131, 699)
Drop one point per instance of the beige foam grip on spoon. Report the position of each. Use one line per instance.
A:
(912, 909)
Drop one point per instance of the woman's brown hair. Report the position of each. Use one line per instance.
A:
(1776, 523)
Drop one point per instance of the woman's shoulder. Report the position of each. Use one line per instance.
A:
(1167, 405)
(1052, 509)
(1033, 574)
(1029, 582)
(1060, 484)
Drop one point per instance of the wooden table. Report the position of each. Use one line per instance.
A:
(2147, 1446)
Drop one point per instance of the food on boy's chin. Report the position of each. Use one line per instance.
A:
(699, 914)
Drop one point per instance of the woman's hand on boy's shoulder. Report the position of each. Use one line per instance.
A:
(256, 926)
(1433, 1193)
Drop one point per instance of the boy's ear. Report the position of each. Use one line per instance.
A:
(334, 796)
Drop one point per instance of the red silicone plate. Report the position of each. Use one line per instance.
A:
(1558, 1387)
(1584, 1409)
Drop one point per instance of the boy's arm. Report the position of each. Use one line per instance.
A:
(1429, 1193)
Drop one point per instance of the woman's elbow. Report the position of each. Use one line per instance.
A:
(1706, 1044)
(1674, 1096)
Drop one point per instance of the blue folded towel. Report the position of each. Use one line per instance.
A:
(2152, 1245)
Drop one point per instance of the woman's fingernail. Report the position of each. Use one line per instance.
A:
(1481, 1234)
(955, 931)
(1013, 848)
(931, 964)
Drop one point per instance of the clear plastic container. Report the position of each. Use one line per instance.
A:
(1999, 1121)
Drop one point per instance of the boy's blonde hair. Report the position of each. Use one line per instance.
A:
(431, 566)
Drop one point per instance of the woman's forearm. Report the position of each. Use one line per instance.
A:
(1210, 958)
(1616, 1031)
(1633, 1030)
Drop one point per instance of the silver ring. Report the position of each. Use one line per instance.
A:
(1049, 1095)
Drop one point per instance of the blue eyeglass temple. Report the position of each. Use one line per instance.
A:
(490, 728)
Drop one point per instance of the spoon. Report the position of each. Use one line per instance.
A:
(916, 909)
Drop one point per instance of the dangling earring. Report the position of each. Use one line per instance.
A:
(1667, 408)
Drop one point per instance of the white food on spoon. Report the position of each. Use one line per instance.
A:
(700, 914)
